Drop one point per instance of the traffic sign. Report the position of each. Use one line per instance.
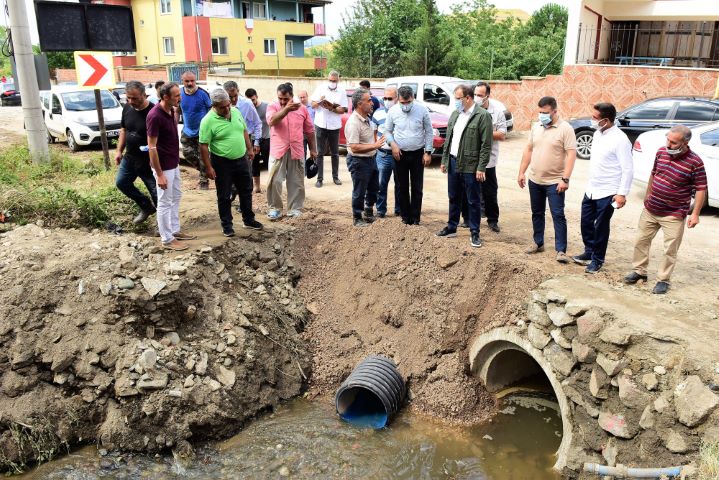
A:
(94, 70)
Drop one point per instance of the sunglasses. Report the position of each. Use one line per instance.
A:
(387, 98)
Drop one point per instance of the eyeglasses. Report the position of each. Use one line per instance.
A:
(387, 98)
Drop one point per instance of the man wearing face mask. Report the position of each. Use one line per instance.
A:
(408, 130)
(549, 155)
(677, 172)
(385, 163)
(329, 102)
(610, 178)
(194, 105)
(466, 155)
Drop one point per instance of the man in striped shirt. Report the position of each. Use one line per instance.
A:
(676, 174)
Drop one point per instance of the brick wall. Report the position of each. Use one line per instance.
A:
(581, 86)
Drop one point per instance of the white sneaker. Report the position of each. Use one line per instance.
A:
(294, 213)
(274, 214)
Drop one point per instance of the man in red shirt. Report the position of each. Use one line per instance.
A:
(676, 174)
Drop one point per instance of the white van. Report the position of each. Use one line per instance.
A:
(70, 115)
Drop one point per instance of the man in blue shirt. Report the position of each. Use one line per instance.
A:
(385, 163)
(408, 129)
(194, 105)
(248, 111)
(375, 101)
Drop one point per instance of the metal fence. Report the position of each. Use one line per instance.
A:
(677, 44)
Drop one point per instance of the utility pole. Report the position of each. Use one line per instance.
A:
(32, 112)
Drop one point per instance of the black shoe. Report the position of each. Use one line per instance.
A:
(633, 278)
(141, 217)
(381, 215)
(593, 267)
(463, 225)
(397, 213)
(494, 226)
(253, 224)
(583, 259)
(368, 215)
(446, 232)
(360, 222)
(204, 185)
(474, 240)
(661, 288)
(318, 184)
(337, 181)
(406, 221)
(414, 222)
(228, 233)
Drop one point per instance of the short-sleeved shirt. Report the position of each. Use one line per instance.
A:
(499, 124)
(224, 137)
(162, 125)
(194, 108)
(289, 134)
(358, 130)
(262, 112)
(135, 124)
(674, 180)
(549, 151)
(378, 118)
(323, 117)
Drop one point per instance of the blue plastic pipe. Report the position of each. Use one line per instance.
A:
(625, 472)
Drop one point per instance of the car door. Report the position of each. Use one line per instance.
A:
(646, 116)
(708, 150)
(54, 119)
(691, 113)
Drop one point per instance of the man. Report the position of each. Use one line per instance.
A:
(375, 101)
(289, 124)
(154, 97)
(135, 163)
(465, 157)
(490, 186)
(676, 174)
(550, 155)
(408, 130)
(361, 148)
(249, 114)
(194, 105)
(329, 102)
(385, 163)
(264, 138)
(305, 101)
(164, 150)
(610, 178)
(224, 140)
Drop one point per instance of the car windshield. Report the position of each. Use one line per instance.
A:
(85, 100)
(8, 86)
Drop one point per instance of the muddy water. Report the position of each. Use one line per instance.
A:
(306, 440)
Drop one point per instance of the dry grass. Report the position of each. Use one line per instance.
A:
(708, 462)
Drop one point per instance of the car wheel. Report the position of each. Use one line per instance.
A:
(50, 138)
(71, 143)
(584, 144)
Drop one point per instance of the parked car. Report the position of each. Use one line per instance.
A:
(439, 122)
(9, 95)
(656, 113)
(437, 93)
(70, 115)
(119, 92)
(705, 142)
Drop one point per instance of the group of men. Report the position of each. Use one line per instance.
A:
(225, 133)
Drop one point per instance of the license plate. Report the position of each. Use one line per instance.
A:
(113, 133)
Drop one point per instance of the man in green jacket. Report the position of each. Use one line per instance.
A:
(465, 157)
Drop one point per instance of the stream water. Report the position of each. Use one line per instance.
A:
(305, 439)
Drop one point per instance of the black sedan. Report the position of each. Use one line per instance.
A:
(656, 113)
(9, 96)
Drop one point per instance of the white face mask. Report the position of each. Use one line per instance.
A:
(479, 100)
(674, 152)
(596, 124)
(388, 104)
(332, 85)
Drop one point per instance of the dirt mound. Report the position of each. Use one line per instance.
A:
(400, 291)
(106, 339)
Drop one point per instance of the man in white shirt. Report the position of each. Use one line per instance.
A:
(610, 178)
(329, 102)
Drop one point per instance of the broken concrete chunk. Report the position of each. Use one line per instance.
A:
(630, 393)
(612, 367)
(583, 352)
(617, 425)
(201, 366)
(559, 337)
(650, 381)
(589, 324)
(558, 315)
(537, 313)
(647, 420)
(694, 401)
(125, 283)
(575, 308)
(156, 382)
(225, 376)
(675, 442)
(561, 360)
(599, 383)
(152, 286)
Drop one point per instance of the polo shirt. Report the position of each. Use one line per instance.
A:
(359, 130)
(323, 117)
(674, 181)
(162, 125)
(224, 137)
(549, 151)
(289, 134)
(194, 108)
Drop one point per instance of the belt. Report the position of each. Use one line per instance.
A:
(386, 150)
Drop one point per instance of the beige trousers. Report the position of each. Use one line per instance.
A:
(649, 225)
(281, 169)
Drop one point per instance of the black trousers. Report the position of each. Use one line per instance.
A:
(231, 173)
(325, 137)
(410, 183)
(263, 156)
(490, 205)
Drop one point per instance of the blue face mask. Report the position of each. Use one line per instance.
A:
(545, 118)
(406, 107)
(458, 106)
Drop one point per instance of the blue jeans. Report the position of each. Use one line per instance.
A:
(539, 195)
(386, 167)
(463, 187)
(365, 183)
(596, 216)
(128, 172)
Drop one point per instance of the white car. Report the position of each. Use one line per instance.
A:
(704, 142)
(70, 115)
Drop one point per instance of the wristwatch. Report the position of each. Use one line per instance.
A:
(565, 180)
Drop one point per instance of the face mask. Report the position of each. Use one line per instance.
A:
(406, 107)
(458, 106)
(388, 104)
(333, 85)
(596, 124)
(545, 118)
(479, 100)
(674, 152)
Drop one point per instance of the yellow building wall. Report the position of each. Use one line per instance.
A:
(151, 27)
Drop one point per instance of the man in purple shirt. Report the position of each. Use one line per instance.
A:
(164, 149)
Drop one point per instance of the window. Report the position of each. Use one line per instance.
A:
(656, 110)
(289, 48)
(56, 104)
(270, 48)
(46, 100)
(249, 39)
(246, 12)
(258, 10)
(169, 44)
(219, 46)
(435, 94)
(695, 112)
(710, 138)
(165, 6)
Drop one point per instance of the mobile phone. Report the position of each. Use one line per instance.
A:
(295, 99)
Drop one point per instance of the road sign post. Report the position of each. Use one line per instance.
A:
(103, 132)
(94, 70)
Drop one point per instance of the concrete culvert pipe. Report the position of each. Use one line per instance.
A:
(372, 394)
